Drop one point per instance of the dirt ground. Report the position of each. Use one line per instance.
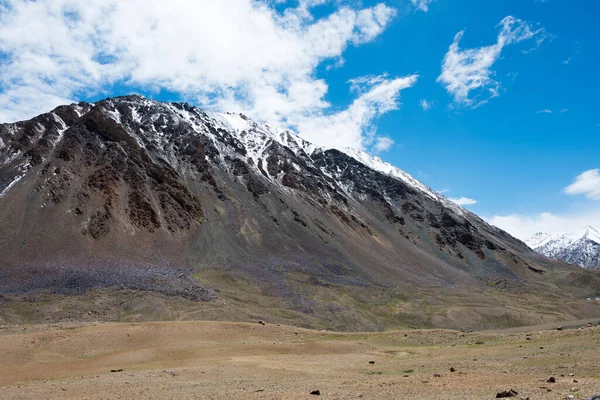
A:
(221, 360)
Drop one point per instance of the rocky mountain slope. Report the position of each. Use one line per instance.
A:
(582, 248)
(130, 194)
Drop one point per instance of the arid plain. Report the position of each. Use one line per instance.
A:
(222, 360)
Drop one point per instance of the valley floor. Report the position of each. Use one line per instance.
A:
(221, 360)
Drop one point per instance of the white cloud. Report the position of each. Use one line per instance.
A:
(383, 143)
(426, 105)
(463, 201)
(233, 55)
(587, 184)
(525, 226)
(422, 5)
(467, 71)
(377, 95)
(564, 110)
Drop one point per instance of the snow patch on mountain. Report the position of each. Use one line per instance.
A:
(377, 164)
(11, 184)
(256, 138)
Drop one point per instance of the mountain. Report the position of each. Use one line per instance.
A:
(582, 248)
(133, 208)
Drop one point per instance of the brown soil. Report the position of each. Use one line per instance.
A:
(222, 360)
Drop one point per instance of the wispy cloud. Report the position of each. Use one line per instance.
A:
(576, 51)
(549, 111)
(463, 201)
(586, 184)
(58, 51)
(377, 95)
(469, 71)
(426, 105)
(422, 5)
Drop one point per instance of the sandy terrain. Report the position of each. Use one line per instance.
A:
(220, 360)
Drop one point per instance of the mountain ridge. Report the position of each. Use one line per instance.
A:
(134, 194)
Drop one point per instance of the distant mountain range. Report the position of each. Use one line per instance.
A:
(582, 248)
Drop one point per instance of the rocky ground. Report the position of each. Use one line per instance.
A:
(222, 360)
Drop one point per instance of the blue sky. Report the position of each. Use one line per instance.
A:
(520, 124)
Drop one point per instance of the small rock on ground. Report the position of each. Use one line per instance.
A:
(506, 393)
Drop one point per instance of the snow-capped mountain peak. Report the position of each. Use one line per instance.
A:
(540, 239)
(589, 233)
(581, 248)
(256, 137)
(537, 240)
